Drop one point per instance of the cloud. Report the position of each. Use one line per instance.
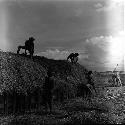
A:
(98, 5)
(92, 51)
(54, 54)
(105, 46)
(100, 42)
(112, 5)
(95, 52)
(58, 54)
(105, 51)
(104, 42)
(96, 49)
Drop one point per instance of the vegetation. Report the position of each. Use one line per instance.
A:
(19, 74)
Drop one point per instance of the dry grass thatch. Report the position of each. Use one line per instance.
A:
(67, 76)
(64, 69)
(19, 74)
(22, 74)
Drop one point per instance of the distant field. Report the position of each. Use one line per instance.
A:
(103, 80)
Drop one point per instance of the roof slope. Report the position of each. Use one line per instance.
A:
(64, 69)
(20, 74)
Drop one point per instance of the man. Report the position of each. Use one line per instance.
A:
(90, 80)
(47, 90)
(76, 57)
(116, 79)
(29, 45)
(73, 57)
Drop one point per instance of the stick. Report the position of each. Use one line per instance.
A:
(115, 67)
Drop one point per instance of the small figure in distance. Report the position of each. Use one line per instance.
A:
(29, 45)
(116, 79)
(73, 57)
(47, 90)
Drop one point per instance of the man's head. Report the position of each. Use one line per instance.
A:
(76, 54)
(31, 38)
(90, 72)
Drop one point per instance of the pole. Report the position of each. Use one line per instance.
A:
(115, 68)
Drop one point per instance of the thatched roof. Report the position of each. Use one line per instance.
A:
(20, 74)
(64, 69)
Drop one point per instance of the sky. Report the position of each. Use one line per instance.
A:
(93, 28)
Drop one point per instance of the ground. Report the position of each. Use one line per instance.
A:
(107, 106)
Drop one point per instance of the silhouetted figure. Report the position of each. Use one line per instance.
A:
(73, 57)
(90, 80)
(29, 45)
(116, 79)
(47, 90)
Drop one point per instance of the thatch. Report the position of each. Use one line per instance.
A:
(68, 88)
(19, 74)
(68, 76)
(22, 74)
(64, 69)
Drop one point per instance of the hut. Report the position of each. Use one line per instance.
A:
(68, 78)
(21, 82)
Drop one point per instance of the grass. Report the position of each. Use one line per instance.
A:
(71, 112)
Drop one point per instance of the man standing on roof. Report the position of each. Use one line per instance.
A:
(29, 45)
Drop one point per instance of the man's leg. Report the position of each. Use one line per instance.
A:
(45, 101)
(94, 88)
(50, 104)
(119, 82)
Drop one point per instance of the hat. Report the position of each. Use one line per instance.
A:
(31, 38)
(90, 72)
(77, 54)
